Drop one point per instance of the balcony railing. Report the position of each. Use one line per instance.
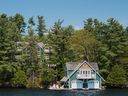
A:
(86, 76)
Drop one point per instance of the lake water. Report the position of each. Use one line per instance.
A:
(41, 92)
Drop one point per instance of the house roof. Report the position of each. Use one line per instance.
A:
(94, 65)
(73, 65)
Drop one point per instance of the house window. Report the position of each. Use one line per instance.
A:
(83, 72)
(88, 72)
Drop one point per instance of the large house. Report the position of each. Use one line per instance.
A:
(82, 75)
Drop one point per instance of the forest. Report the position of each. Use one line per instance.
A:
(103, 42)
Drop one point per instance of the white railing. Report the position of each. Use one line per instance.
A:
(86, 76)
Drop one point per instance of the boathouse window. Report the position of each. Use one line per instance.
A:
(83, 72)
(88, 72)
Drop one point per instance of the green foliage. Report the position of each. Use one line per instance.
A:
(111, 41)
(20, 23)
(19, 79)
(41, 27)
(104, 73)
(117, 77)
(31, 21)
(105, 43)
(84, 44)
(32, 55)
(58, 40)
(48, 77)
(9, 34)
(7, 71)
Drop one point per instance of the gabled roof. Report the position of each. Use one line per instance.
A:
(73, 65)
(78, 66)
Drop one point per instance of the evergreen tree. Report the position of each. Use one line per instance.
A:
(123, 56)
(41, 27)
(32, 55)
(58, 40)
(112, 42)
(9, 35)
(20, 23)
(47, 75)
(117, 77)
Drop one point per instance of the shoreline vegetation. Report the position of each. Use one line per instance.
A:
(25, 65)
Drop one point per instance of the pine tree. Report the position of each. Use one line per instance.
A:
(41, 27)
(58, 40)
(9, 35)
(117, 77)
(32, 55)
(20, 23)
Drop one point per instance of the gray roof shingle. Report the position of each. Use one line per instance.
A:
(73, 65)
(94, 65)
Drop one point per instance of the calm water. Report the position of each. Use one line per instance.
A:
(41, 92)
